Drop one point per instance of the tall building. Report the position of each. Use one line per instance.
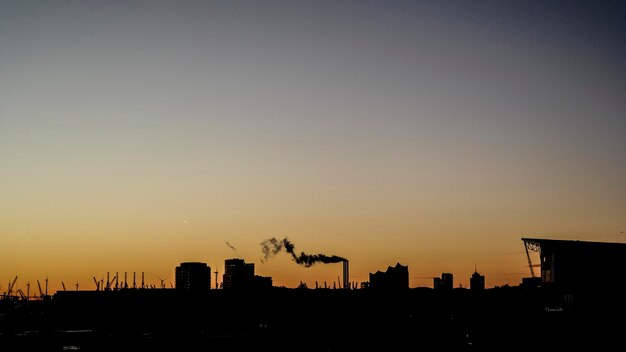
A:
(446, 282)
(193, 277)
(240, 275)
(578, 265)
(477, 282)
(395, 278)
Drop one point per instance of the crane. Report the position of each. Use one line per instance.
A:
(11, 286)
(110, 283)
(40, 290)
(21, 293)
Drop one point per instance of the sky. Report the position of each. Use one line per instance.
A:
(138, 135)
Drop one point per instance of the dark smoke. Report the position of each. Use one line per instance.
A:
(231, 247)
(273, 246)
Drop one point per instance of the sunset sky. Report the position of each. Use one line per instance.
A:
(138, 135)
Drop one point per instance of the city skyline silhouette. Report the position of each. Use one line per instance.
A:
(296, 166)
(137, 136)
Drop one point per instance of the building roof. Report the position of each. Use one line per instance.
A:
(392, 269)
(574, 243)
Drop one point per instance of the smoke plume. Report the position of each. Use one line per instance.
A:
(231, 247)
(274, 246)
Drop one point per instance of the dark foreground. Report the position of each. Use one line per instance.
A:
(314, 320)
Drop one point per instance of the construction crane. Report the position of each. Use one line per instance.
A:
(40, 290)
(110, 283)
(21, 293)
(11, 286)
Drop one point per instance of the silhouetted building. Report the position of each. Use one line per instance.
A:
(395, 278)
(262, 282)
(240, 275)
(477, 282)
(531, 282)
(577, 265)
(194, 277)
(446, 282)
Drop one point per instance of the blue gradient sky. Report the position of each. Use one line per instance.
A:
(136, 135)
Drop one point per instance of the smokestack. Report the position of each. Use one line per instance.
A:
(346, 274)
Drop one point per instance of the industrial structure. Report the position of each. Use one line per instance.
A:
(240, 275)
(395, 278)
(578, 265)
(346, 274)
(193, 277)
